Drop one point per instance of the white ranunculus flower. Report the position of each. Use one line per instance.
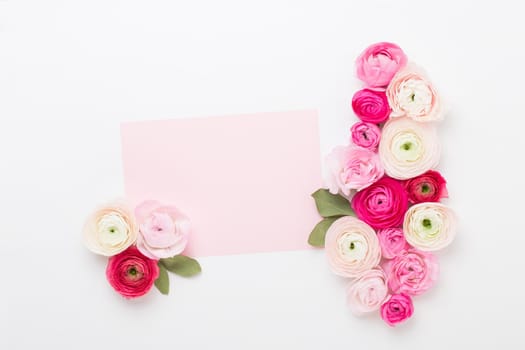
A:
(411, 94)
(408, 148)
(367, 292)
(429, 226)
(110, 229)
(352, 247)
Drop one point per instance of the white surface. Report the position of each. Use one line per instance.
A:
(70, 71)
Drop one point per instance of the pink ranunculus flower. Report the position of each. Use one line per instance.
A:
(163, 230)
(366, 135)
(392, 241)
(351, 247)
(131, 273)
(351, 168)
(367, 292)
(379, 62)
(371, 106)
(413, 272)
(411, 94)
(396, 309)
(382, 204)
(428, 187)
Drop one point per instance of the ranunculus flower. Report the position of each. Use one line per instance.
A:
(351, 247)
(367, 292)
(428, 187)
(411, 94)
(110, 229)
(392, 242)
(131, 274)
(408, 148)
(365, 135)
(429, 226)
(381, 205)
(396, 309)
(371, 106)
(379, 62)
(413, 272)
(351, 168)
(163, 230)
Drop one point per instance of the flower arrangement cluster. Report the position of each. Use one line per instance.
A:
(382, 216)
(142, 245)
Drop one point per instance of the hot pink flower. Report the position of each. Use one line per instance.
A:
(351, 168)
(163, 230)
(379, 63)
(392, 241)
(131, 274)
(413, 272)
(397, 309)
(428, 187)
(371, 106)
(381, 205)
(365, 135)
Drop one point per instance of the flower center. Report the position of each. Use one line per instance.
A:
(132, 271)
(112, 229)
(413, 97)
(365, 136)
(352, 246)
(425, 188)
(407, 146)
(427, 223)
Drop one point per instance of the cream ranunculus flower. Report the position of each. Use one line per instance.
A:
(408, 148)
(429, 226)
(110, 229)
(411, 94)
(352, 247)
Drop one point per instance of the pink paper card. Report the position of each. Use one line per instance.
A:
(244, 181)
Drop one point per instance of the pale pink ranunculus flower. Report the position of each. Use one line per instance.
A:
(110, 229)
(408, 148)
(163, 230)
(379, 62)
(392, 241)
(411, 94)
(367, 292)
(412, 272)
(351, 247)
(351, 168)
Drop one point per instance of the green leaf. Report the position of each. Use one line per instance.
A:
(182, 265)
(318, 234)
(163, 281)
(330, 205)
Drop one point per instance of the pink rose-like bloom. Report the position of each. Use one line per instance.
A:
(428, 187)
(365, 135)
(163, 230)
(396, 309)
(131, 274)
(392, 241)
(379, 62)
(381, 205)
(351, 247)
(413, 272)
(411, 94)
(367, 292)
(371, 106)
(351, 168)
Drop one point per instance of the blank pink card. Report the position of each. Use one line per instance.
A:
(244, 181)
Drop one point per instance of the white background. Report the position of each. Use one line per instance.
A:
(71, 71)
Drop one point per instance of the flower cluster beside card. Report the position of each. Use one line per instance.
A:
(142, 245)
(382, 216)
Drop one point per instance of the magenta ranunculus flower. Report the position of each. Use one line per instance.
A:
(163, 230)
(131, 273)
(371, 106)
(413, 272)
(427, 187)
(382, 204)
(396, 309)
(378, 63)
(366, 135)
(392, 241)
